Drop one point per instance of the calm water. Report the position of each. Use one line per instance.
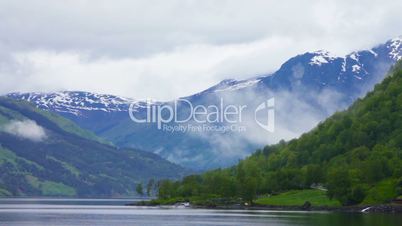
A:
(93, 212)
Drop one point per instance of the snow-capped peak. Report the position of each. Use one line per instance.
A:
(75, 101)
(354, 56)
(395, 46)
(321, 57)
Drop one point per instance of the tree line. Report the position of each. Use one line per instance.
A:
(348, 154)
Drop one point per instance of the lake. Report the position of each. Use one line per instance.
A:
(108, 212)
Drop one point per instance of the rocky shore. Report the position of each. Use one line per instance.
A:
(383, 209)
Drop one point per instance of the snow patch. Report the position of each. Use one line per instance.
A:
(238, 85)
(321, 57)
(75, 102)
(372, 52)
(354, 56)
(343, 65)
(396, 50)
(356, 68)
(318, 60)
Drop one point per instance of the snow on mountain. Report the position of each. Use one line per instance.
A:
(75, 101)
(337, 69)
(321, 57)
(318, 83)
(356, 68)
(396, 48)
(354, 56)
(236, 85)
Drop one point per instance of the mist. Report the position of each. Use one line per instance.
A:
(26, 129)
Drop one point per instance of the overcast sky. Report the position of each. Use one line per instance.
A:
(167, 49)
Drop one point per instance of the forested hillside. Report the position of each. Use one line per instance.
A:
(356, 155)
(44, 154)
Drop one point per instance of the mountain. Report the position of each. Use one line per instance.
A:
(304, 90)
(42, 153)
(355, 155)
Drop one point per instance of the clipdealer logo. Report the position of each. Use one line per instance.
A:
(269, 108)
(227, 116)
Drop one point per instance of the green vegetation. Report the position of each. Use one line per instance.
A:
(298, 198)
(7, 156)
(70, 127)
(207, 200)
(139, 189)
(74, 171)
(69, 162)
(67, 125)
(4, 192)
(382, 192)
(356, 154)
(7, 114)
(50, 188)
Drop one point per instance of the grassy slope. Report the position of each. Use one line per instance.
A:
(298, 198)
(64, 123)
(382, 192)
(71, 161)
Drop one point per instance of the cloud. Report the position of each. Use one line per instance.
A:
(296, 112)
(168, 49)
(27, 129)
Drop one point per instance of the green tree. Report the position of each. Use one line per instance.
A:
(248, 178)
(166, 189)
(350, 153)
(313, 175)
(139, 189)
(338, 184)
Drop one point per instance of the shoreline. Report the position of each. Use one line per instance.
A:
(397, 209)
(383, 208)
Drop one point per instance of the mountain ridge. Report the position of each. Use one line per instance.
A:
(119, 103)
(311, 86)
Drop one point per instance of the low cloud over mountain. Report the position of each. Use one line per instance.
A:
(27, 129)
